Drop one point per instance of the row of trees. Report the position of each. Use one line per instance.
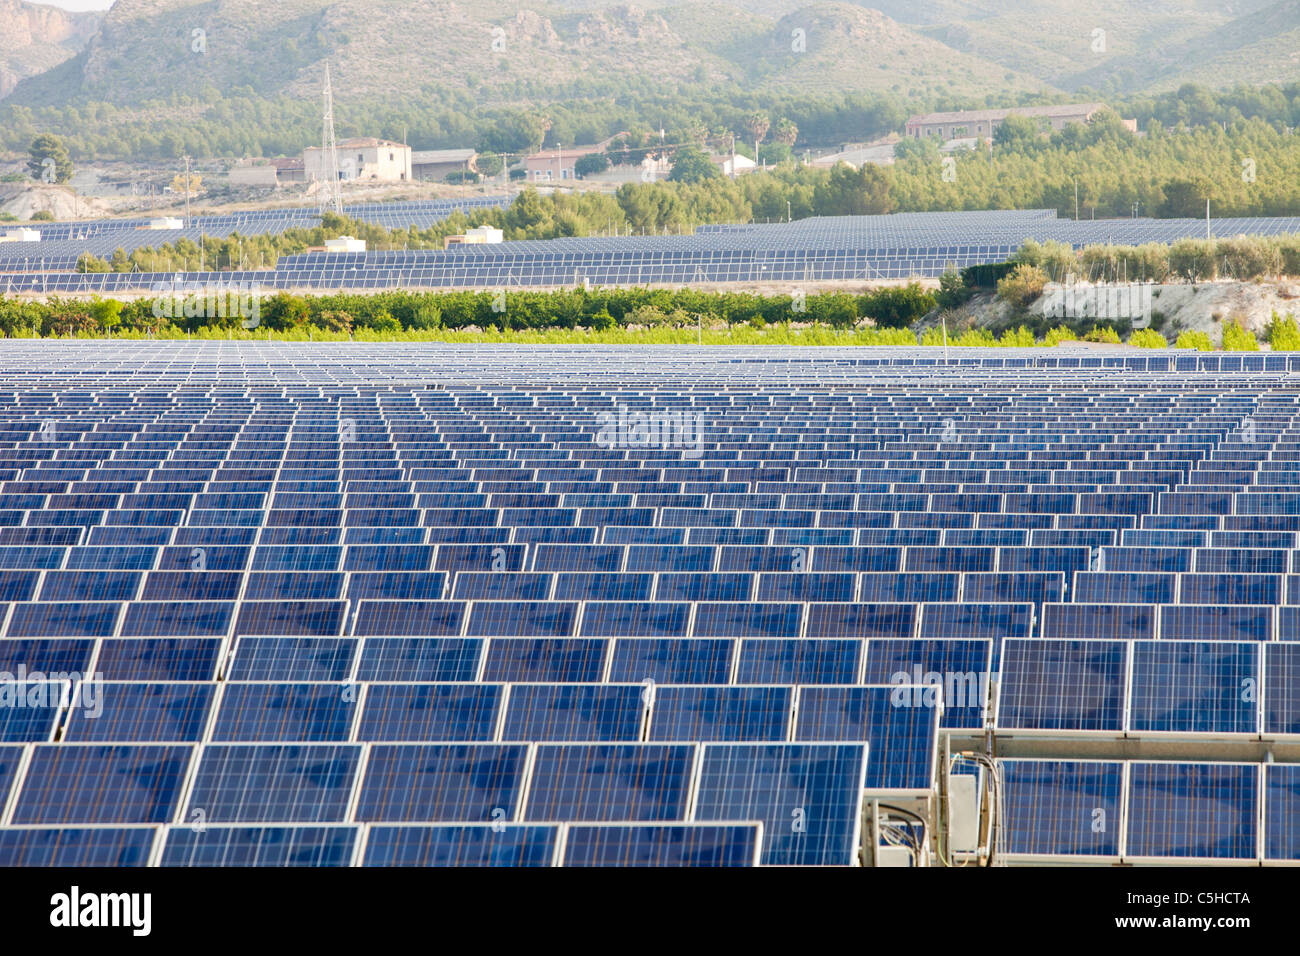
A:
(242, 122)
(398, 311)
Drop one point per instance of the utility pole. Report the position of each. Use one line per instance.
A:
(1076, 200)
(1207, 217)
(187, 192)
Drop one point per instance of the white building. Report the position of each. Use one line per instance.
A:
(345, 244)
(361, 158)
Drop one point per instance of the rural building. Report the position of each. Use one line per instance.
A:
(734, 165)
(982, 124)
(555, 165)
(361, 158)
(439, 163)
(479, 236)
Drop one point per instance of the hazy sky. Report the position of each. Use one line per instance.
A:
(78, 4)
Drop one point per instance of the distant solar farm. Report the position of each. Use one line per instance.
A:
(277, 604)
(862, 248)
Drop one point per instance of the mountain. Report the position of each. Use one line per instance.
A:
(500, 51)
(34, 38)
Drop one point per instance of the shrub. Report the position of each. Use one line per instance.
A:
(975, 338)
(1194, 340)
(1020, 338)
(1237, 339)
(1102, 333)
(1284, 333)
(895, 307)
(1023, 286)
(1058, 335)
(1148, 339)
(953, 292)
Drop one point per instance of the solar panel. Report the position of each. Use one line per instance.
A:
(1193, 811)
(808, 797)
(1063, 810)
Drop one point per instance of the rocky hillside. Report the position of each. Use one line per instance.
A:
(35, 38)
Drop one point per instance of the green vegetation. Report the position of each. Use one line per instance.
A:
(1194, 340)
(1283, 334)
(1104, 334)
(1237, 339)
(1023, 286)
(50, 160)
(1148, 339)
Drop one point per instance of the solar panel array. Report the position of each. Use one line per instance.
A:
(62, 243)
(419, 604)
(818, 249)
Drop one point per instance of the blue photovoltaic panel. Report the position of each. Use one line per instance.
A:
(747, 620)
(1193, 810)
(280, 783)
(663, 845)
(165, 619)
(292, 659)
(861, 620)
(900, 723)
(808, 797)
(1281, 810)
(720, 713)
(140, 713)
(464, 845)
(574, 712)
(672, 661)
(163, 659)
(601, 619)
(610, 782)
(93, 783)
(579, 660)
(409, 618)
(259, 846)
(430, 712)
(1197, 622)
(74, 846)
(962, 667)
(419, 659)
(1119, 622)
(30, 710)
(1062, 685)
(1062, 808)
(285, 712)
(1195, 687)
(1282, 688)
(434, 783)
(819, 661)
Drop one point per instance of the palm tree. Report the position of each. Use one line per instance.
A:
(758, 124)
(786, 133)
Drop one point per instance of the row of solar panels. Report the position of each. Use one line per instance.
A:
(1092, 687)
(465, 844)
(76, 785)
(1057, 811)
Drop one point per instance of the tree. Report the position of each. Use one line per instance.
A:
(179, 184)
(590, 165)
(49, 147)
(1017, 132)
(786, 133)
(692, 165)
(758, 124)
(854, 192)
(1184, 199)
(490, 164)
